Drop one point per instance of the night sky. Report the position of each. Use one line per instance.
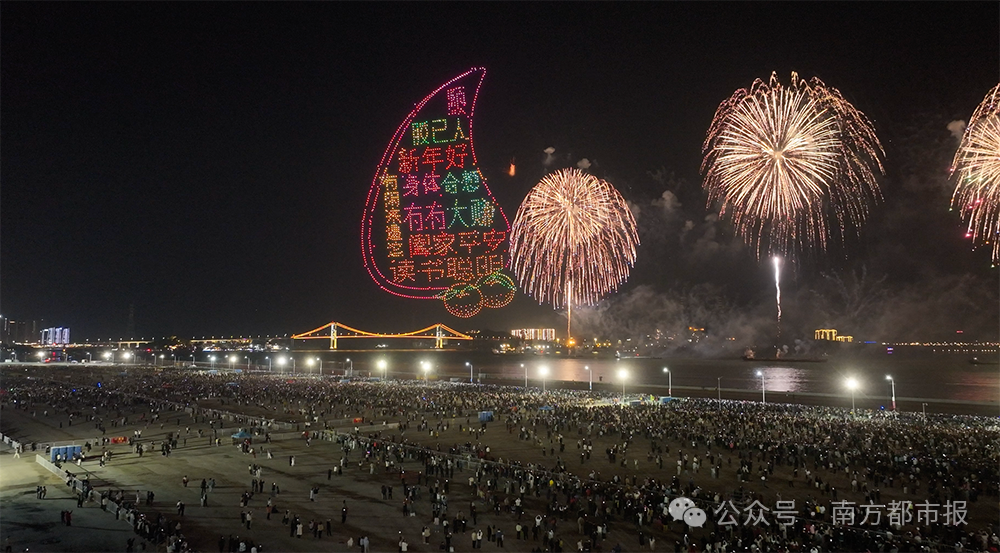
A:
(208, 163)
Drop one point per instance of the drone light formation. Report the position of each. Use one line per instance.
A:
(977, 170)
(791, 166)
(573, 240)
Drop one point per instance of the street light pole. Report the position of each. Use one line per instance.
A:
(470, 371)
(763, 392)
(268, 363)
(320, 365)
(590, 378)
(623, 375)
(719, 389)
(670, 382)
(525, 376)
(852, 384)
(923, 407)
(384, 366)
(543, 371)
(893, 385)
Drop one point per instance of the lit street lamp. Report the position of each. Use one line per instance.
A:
(90, 357)
(893, 384)
(670, 382)
(384, 367)
(590, 378)
(351, 363)
(320, 359)
(543, 371)
(427, 369)
(247, 359)
(212, 359)
(467, 364)
(107, 355)
(281, 363)
(161, 359)
(763, 392)
(268, 363)
(525, 376)
(852, 385)
(623, 375)
(41, 355)
(232, 362)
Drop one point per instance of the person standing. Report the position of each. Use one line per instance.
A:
(343, 513)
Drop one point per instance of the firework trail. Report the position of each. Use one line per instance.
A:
(573, 240)
(791, 166)
(777, 288)
(977, 169)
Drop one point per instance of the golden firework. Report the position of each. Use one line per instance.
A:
(791, 166)
(977, 170)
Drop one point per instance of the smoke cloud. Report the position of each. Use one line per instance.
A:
(957, 128)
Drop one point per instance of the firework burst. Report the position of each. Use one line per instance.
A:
(977, 170)
(791, 167)
(573, 240)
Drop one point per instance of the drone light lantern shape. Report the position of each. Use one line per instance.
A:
(431, 228)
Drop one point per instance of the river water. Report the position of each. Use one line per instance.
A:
(935, 377)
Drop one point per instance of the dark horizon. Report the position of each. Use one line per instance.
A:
(209, 165)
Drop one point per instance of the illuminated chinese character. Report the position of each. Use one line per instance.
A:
(420, 245)
(393, 216)
(442, 244)
(438, 125)
(455, 156)
(460, 269)
(388, 182)
(421, 133)
(433, 268)
(459, 135)
(488, 264)
(391, 200)
(414, 217)
(468, 240)
(450, 184)
(394, 232)
(726, 514)
(456, 215)
(431, 183)
(408, 161)
(435, 217)
(432, 157)
(395, 249)
(843, 512)
(471, 181)
(755, 513)
(784, 512)
(493, 238)
(456, 100)
(402, 270)
(410, 185)
(481, 210)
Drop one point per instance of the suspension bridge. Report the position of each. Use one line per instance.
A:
(334, 331)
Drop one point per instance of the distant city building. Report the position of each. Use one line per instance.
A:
(537, 334)
(56, 336)
(831, 335)
(19, 332)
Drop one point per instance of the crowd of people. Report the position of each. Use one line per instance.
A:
(536, 466)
